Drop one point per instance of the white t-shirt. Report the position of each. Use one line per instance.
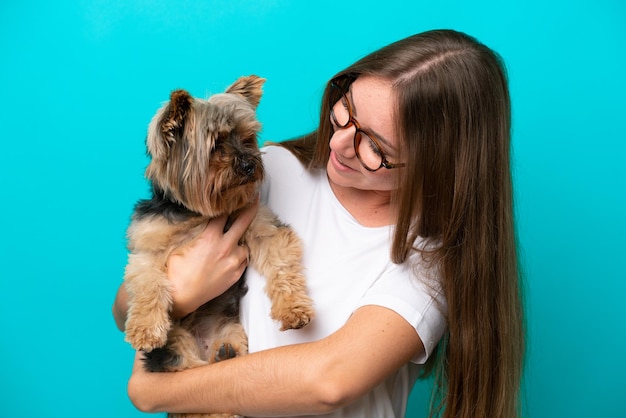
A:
(347, 266)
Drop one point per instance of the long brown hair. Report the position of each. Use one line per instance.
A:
(454, 122)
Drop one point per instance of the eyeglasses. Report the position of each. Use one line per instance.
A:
(366, 147)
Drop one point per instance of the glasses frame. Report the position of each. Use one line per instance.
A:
(335, 84)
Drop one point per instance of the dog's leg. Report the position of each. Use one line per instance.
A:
(180, 353)
(230, 341)
(150, 301)
(225, 340)
(276, 253)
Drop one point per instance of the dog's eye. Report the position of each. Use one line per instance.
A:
(221, 138)
(249, 142)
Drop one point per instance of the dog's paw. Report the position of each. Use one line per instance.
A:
(296, 317)
(297, 322)
(146, 338)
(226, 350)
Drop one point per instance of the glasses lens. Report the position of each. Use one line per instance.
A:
(368, 151)
(339, 106)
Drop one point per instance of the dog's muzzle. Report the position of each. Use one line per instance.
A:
(247, 167)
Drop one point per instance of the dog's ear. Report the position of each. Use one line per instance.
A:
(168, 125)
(250, 87)
(173, 121)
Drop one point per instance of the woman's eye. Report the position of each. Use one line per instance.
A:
(374, 148)
(344, 102)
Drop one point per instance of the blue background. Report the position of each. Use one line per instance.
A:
(81, 80)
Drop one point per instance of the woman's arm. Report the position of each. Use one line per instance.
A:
(120, 307)
(308, 378)
(213, 263)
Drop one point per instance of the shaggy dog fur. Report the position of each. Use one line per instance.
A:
(205, 162)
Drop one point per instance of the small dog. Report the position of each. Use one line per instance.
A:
(205, 162)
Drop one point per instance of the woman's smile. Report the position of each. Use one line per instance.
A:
(338, 163)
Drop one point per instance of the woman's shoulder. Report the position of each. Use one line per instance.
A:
(276, 151)
(289, 188)
(278, 160)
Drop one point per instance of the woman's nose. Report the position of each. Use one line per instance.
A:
(342, 141)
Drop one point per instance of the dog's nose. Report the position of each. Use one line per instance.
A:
(247, 167)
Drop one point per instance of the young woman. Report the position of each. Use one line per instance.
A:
(403, 199)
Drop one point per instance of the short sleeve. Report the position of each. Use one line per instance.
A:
(410, 291)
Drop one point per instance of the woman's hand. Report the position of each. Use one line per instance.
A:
(206, 269)
(212, 264)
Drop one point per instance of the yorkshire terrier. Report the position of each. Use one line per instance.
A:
(205, 162)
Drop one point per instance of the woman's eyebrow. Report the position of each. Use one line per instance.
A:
(380, 138)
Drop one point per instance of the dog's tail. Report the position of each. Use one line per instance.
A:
(161, 359)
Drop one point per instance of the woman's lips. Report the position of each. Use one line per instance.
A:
(339, 165)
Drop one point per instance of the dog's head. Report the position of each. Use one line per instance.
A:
(204, 153)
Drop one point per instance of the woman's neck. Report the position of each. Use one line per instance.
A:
(370, 208)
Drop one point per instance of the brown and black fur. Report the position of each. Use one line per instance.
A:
(205, 162)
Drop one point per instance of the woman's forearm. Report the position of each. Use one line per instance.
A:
(120, 307)
(308, 378)
(258, 384)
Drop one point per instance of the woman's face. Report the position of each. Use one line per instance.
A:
(372, 101)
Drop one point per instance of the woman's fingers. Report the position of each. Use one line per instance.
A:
(242, 222)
